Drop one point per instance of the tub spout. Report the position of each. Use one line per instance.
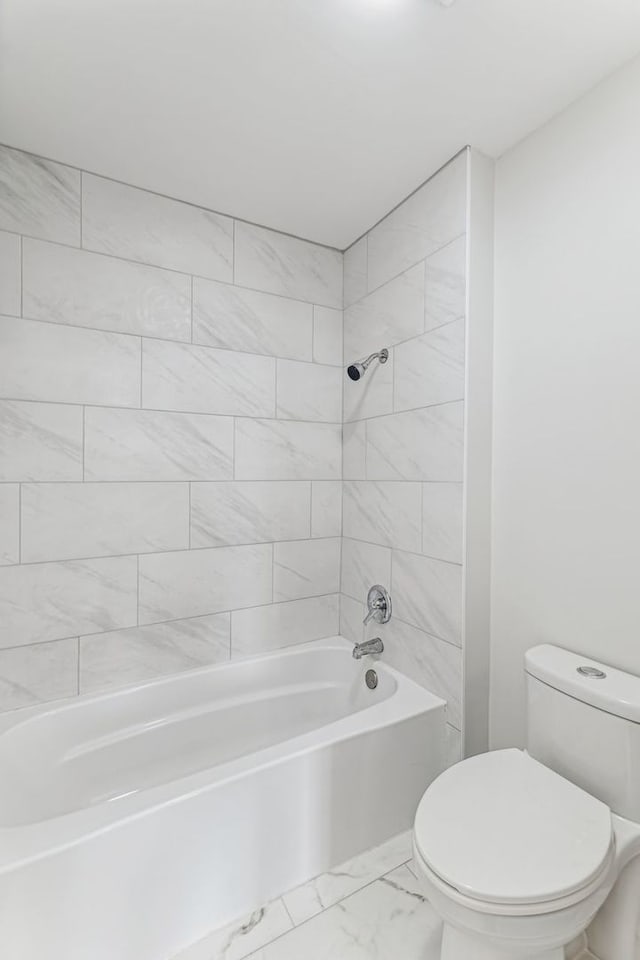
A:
(368, 646)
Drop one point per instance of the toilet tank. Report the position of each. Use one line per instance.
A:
(583, 721)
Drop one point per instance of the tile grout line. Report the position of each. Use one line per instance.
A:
(160, 623)
(228, 416)
(152, 265)
(254, 954)
(164, 552)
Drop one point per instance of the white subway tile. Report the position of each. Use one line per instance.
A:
(428, 594)
(445, 287)
(9, 523)
(38, 673)
(286, 450)
(266, 260)
(442, 521)
(431, 662)
(327, 335)
(430, 368)
(306, 568)
(148, 445)
(40, 441)
(9, 274)
(251, 512)
(89, 290)
(389, 315)
(355, 272)
(425, 444)
(237, 319)
(281, 624)
(124, 657)
(326, 508)
(363, 565)
(192, 583)
(50, 601)
(38, 197)
(387, 513)
(48, 361)
(372, 395)
(426, 221)
(67, 521)
(139, 225)
(204, 380)
(309, 391)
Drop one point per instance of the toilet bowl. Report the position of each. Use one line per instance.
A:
(519, 860)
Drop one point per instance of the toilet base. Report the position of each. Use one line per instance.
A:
(457, 945)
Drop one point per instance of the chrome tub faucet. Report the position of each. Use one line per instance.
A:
(367, 647)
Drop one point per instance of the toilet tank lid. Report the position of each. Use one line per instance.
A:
(580, 677)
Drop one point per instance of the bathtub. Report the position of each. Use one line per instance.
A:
(134, 822)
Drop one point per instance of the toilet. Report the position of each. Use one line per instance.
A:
(529, 854)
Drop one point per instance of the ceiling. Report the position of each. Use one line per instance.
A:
(310, 116)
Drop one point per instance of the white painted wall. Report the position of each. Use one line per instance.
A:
(566, 492)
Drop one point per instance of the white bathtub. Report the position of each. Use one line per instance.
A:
(134, 822)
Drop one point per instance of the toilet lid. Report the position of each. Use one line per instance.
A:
(502, 827)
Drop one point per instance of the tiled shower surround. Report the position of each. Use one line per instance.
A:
(174, 420)
(170, 435)
(404, 288)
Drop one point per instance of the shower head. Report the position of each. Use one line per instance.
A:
(358, 370)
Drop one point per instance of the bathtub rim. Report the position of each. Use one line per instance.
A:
(21, 844)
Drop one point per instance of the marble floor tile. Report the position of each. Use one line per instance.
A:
(388, 920)
(241, 937)
(370, 908)
(315, 896)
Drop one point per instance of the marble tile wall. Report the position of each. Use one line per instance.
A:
(403, 442)
(170, 435)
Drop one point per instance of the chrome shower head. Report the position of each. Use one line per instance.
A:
(358, 370)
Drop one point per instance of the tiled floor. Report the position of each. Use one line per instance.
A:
(371, 908)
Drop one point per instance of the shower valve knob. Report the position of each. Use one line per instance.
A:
(379, 605)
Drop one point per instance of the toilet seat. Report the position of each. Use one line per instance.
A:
(505, 831)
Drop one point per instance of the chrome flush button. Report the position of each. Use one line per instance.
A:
(592, 672)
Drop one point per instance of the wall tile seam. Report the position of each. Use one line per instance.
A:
(46, 643)
(398, 412)
(419, 336)
(183, 273)
(163, 550)
(79, 481)
(191, 413)
(404, 269)
(407, 623)
(155, 623)
(388, 546)
(173, 340)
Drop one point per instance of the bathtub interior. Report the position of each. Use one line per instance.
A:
(101, 749)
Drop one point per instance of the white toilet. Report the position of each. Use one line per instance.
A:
(522, 852)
